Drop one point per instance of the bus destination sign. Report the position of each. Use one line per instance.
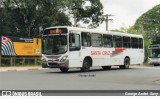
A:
(55, 31)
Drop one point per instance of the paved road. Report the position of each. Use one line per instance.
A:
(135, 78)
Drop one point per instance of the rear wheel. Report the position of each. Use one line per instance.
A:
(126, 64)
(64, 70)
(86, 65)
(106, 67)
(156, 64)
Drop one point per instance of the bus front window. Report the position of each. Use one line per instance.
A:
(155, 53)
(56, 44)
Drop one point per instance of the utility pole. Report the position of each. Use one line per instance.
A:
(141, 25)
(107, 20)
(74, 9)
(142, 28)
(75, 21)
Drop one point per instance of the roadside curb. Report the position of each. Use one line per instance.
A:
(157, 67)
(8, 69)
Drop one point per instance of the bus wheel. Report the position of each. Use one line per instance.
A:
(106, 67)
(64, 70)
(86, 65)
(156, 64)
(126, 64)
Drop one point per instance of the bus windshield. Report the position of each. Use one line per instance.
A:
(55, 44)
(154, 53)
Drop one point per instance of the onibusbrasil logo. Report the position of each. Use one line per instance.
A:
(21, 93)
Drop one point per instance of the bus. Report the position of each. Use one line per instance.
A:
(71, 47)
(154, 54)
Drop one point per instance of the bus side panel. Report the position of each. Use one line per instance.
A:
(136, 55)
(117, 56)
(107, 55)
(141, 56)
(75, 59)
(96, 54)
(133, 56)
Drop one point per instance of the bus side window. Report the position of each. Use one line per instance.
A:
(74, 42)
(96, 40)
(86, 39)
(134, 42)
(140, 43)
(126, 42)
(107, 40)
(117, 41)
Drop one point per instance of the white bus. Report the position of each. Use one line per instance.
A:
(154, 55)
(70, 47)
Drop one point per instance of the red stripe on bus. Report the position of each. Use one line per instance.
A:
(119, 50)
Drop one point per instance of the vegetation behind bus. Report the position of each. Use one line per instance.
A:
(7, 61)
(27, 18)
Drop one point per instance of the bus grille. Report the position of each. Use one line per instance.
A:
(53, 57)
(52, 64)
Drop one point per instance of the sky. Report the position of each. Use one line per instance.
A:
(125, 12)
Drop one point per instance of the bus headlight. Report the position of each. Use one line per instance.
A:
(64, 58)
(43, 59)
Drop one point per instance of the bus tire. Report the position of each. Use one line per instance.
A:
(126, 63)
(106, 67)
(64, 70)
(86, 65)
(156, 64)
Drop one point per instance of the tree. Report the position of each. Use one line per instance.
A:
(88, 11)
(121, 29)
(149, 22)
(25, 18)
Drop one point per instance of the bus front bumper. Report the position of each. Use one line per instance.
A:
(55, 64)
(154, 61)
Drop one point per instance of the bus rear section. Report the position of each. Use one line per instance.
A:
(154, 55)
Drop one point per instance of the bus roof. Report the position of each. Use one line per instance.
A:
(98, 31)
